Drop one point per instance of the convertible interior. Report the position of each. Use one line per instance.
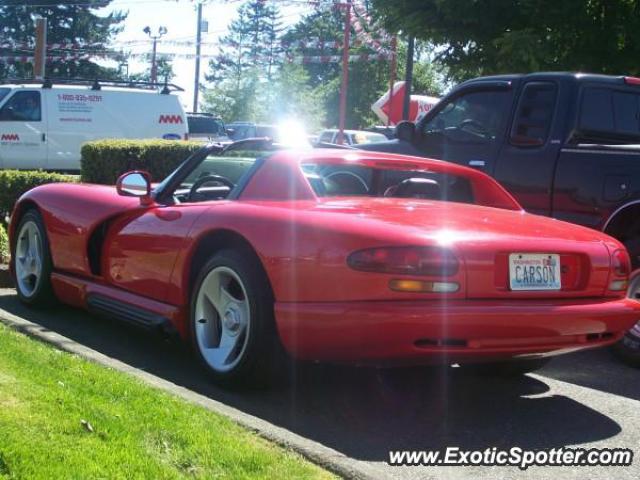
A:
(353, 180)
(217, 176)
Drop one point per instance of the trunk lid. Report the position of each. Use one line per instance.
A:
(483, 238)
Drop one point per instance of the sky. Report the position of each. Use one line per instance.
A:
(180, 19)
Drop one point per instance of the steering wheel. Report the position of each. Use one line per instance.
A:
(209, 178)
(475, 125)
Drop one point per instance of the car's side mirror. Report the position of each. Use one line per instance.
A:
(406, 131)
(135, 184)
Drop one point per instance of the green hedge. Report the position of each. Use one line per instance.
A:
(103, 161)
(13, 183)
(4, 245)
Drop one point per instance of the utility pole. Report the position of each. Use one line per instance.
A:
(154, 65)
(41, 49)
(408, 78)
(196, 83)
(345, 71)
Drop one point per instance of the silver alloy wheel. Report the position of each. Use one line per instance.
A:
(29, 258)
(222, 319)
(634, 292)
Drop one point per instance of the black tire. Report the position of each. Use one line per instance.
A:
(261, 358)
(633, 248)
(628, 348)
(42, 295)
(508, 368)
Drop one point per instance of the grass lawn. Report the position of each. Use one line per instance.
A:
(64, 417)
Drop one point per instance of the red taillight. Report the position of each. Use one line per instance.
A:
(632, 80)
(621, 268)
(620, 263)
(426, 261)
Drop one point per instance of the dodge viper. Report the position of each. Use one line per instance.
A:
(336, 256)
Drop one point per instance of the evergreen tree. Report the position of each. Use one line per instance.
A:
(68, 22)
(164, 70)
(249, 56)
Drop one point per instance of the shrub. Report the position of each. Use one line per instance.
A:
(4, 245)
(103, 161)
(13, 183)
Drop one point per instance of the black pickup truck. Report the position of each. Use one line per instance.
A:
(565, 145)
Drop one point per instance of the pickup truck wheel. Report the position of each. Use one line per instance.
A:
(32, 264)
(508, 368)
(628, 348)
(232, 325)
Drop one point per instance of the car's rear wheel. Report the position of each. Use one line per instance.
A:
(232, 324)
(32, 261)
(628, 348)
(508, 368)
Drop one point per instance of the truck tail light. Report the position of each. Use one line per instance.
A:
(423, 261)
(632, 80)
(620, 268)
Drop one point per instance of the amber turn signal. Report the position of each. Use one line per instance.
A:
(398, 285)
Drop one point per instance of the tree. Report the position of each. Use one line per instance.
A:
(249, 56)
(478, 37)
(165, 70)
(297, 100)
(233, 101)
(68, 22)
(368, 81)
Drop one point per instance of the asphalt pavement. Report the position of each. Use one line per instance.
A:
(585, 399)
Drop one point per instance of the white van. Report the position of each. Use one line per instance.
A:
(44, 125)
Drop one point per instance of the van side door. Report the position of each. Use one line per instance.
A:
(23, 130)
(527, 160)
(468, 127)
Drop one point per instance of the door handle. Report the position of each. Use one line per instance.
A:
(477, 163)
(44, 137)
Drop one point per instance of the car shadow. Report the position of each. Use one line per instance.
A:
(598, 369)
(364, 413)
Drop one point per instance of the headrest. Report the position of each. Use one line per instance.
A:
(416, 188)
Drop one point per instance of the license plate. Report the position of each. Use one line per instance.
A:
(534, 271)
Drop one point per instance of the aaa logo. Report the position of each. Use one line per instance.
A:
(170, 119)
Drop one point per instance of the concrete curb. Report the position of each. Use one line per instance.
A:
(315, 452)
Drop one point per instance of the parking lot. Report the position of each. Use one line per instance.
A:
(581, 400)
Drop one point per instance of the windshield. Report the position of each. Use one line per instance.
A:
(241, 131)
(231, 166)
(206, 125)
(368, 137)
(3, 93)
(356, 180)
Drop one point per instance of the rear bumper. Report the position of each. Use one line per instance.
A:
(407, 332)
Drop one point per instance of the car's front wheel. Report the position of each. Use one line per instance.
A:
(32, 264)
(628, 348)
(232, 324)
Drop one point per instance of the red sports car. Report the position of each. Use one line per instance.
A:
(335, 255)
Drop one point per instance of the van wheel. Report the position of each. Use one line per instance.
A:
(232, 325)
(628, 348)
(32, 261)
